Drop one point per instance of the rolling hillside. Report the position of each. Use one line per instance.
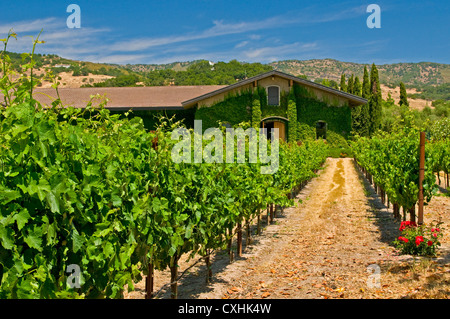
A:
(425, 81)
(412, 74)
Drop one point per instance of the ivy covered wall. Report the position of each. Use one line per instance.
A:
(310, 110)
(237, 108)
(234, 109)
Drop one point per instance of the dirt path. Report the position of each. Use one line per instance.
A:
(332, 245)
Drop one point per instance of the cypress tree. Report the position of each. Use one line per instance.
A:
(362, 121)
(343, 86)
(360, 113)
(365, 90)
(357, 86)
(375, 100)
(403, 95)
(350, 85)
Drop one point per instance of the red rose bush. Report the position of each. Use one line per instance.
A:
(420, 240)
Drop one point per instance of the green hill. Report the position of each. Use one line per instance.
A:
(422, 76)
(432, 80)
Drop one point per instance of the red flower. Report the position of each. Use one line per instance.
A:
(403, 239)
(419, 239)
(430, 243)
(434, 235)
(432, 230)
(406, 224)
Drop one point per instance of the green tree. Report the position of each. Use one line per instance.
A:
(389, 101)
(366, 84)
(343, 85)
(350, 85)
(357, 86)
(403, 95)
(361, 120)
(375, 100)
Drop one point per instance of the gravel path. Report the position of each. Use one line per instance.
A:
(335, 244)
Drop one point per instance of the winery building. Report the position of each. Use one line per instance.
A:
(316, 105)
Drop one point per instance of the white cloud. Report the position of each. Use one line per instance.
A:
(273, 53)
(241, 44)
(29, 25)
(219, 28)
(93, 44)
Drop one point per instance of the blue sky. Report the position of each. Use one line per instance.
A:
(166, 31)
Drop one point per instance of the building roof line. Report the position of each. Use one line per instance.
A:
(351, 97)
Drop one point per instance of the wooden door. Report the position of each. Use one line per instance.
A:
(281, 129)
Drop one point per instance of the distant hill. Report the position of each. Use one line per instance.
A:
(176, 66)
(425, 81)
(414, 75)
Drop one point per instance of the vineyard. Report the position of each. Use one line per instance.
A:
(391, 162)
(83, 187)
(87, 189)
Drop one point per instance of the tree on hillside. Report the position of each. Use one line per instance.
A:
(357, 86)
(343, 85)
(350, 85)
(360, 113)
(365, 90)
(375, 100)
(403, 95)
(361, 120)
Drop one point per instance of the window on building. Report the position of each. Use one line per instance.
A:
(273, 95)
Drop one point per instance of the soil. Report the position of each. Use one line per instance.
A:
(335, 243)
(416, 104)
(67, 80)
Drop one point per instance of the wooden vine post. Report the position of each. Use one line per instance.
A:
(174, 278)
(149, 282)
(239, 239)
(271, 213)
(421, 176)
(230, 244)
(258, 227)
(208, 266)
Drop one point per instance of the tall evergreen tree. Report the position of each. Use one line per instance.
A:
(365, 91)
(361, 117)
(403, 95)
(375, 100)
(343, 85)
(360, 113)
(361, 120)
(357, 86)
(350, 85)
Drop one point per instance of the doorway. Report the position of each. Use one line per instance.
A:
(269, 125)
